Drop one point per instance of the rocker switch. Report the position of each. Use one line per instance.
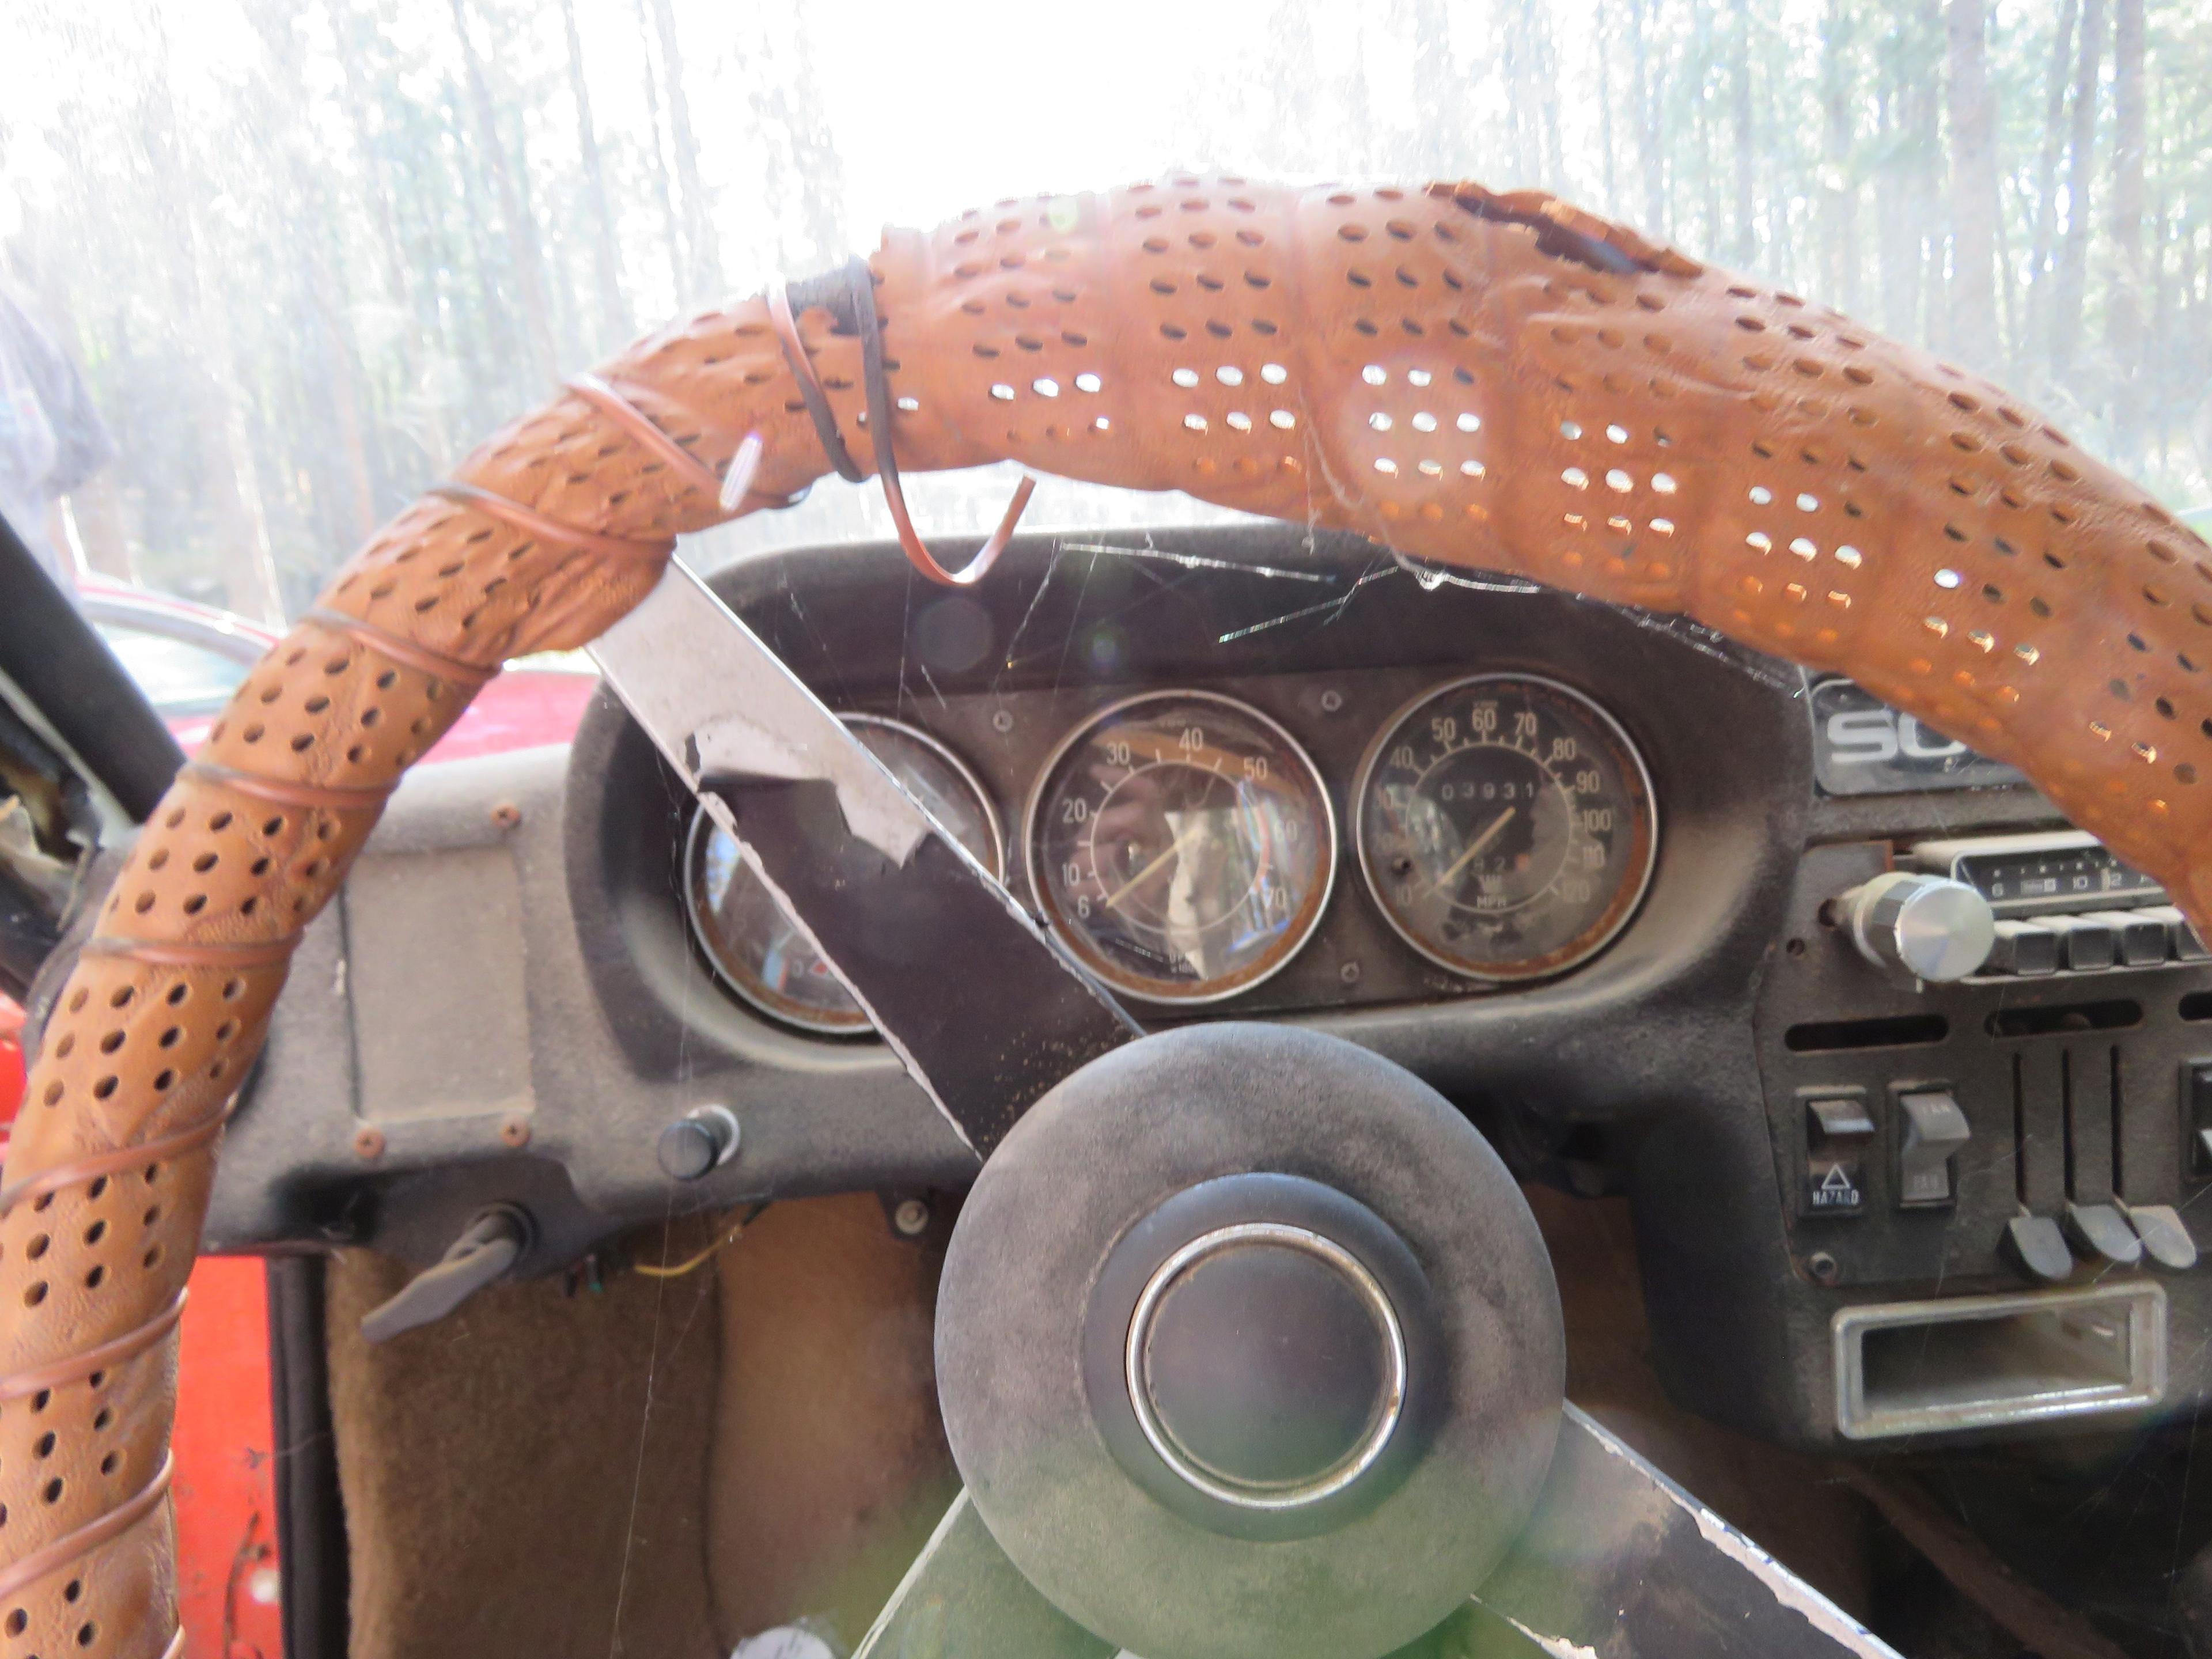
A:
(1934, 1130)
(1838, 1132)
(2196, 1101)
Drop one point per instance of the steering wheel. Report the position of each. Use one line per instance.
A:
(1494, 380)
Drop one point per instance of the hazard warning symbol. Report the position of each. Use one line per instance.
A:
(1836, 1188)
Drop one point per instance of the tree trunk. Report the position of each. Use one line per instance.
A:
(359, 100)
(2045, 228)
(2069, 291)
(523, 254)
(2124, 315)
(1974, 188)
(225, 453)
(705, 275)
(1650, 147)
(1839, 194)
(1746, 224)
(614, 319)
(1896, 240)
(1609, 174)
(679, 258)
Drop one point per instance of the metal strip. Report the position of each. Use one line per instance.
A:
(962, 1598)
(986, 1009)
(1618, 1560)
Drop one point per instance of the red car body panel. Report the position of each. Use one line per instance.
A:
(224, 1438)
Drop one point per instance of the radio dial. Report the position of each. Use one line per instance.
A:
(1925, 927)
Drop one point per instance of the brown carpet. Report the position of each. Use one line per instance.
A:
(665, 1466)
(656, 1470)
(527, 1477)
(829, 1466)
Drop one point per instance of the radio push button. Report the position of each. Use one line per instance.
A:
(2025, 948)
(2138, 940)
(2085, 943)
(2182, 938)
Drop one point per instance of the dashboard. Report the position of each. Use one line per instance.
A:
(1600, 877)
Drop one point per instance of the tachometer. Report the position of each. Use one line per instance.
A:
(1183, 845)
(1505, 827)
(737, 924)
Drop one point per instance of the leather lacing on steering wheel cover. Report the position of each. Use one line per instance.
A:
(1499, 382)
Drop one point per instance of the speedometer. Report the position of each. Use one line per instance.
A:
(1505, 827)
(1183, 846)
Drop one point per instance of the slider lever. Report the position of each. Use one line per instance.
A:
(2038, 1248)
(2164, 1238)
(2099, 1229)
(484, 1252)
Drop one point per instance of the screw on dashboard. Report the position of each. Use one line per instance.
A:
(507, 814)
(910, 1215)
(1823, 1267)
(514, 1131)
(369, 1142)
(1002, 722)
(1349, 973)
(1332, 701)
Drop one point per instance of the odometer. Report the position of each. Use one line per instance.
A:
(1183, 846)
(1505, 827)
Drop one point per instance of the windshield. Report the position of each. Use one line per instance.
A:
(301, 258)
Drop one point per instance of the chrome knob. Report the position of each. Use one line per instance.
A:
(698, 1142)
(1925, 927)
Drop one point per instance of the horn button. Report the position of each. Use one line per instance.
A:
(1248, 1344)
(1265, 1364)
(1259, 1353)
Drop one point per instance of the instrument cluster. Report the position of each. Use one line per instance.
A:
(1185, 845)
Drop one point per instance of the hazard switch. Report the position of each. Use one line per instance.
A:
(1837, 1133)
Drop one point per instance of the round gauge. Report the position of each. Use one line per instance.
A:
(757, 952)
(1505, 827)
(1183, 846)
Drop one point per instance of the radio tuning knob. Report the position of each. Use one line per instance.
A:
(1925, 927)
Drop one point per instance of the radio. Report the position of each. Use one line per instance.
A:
(1994, 907)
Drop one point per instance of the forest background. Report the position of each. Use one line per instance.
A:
(307, 252)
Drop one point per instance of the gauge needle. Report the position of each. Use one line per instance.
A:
(1115, 899)
(1475, 846)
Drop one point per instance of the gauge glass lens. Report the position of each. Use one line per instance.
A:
(1505, 827)
(744, 931)
(1183, 845)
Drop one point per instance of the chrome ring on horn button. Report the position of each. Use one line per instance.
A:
(1390, 1407)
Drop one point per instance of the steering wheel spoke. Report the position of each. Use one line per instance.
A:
(963, 1596)
(1616, 1559)
(986, 1009)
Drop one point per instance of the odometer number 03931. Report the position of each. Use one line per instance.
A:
(1505, 827)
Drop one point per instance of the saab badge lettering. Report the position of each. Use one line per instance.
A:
(1862, 746)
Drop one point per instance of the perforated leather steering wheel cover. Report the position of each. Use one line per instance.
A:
(1826, 494)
